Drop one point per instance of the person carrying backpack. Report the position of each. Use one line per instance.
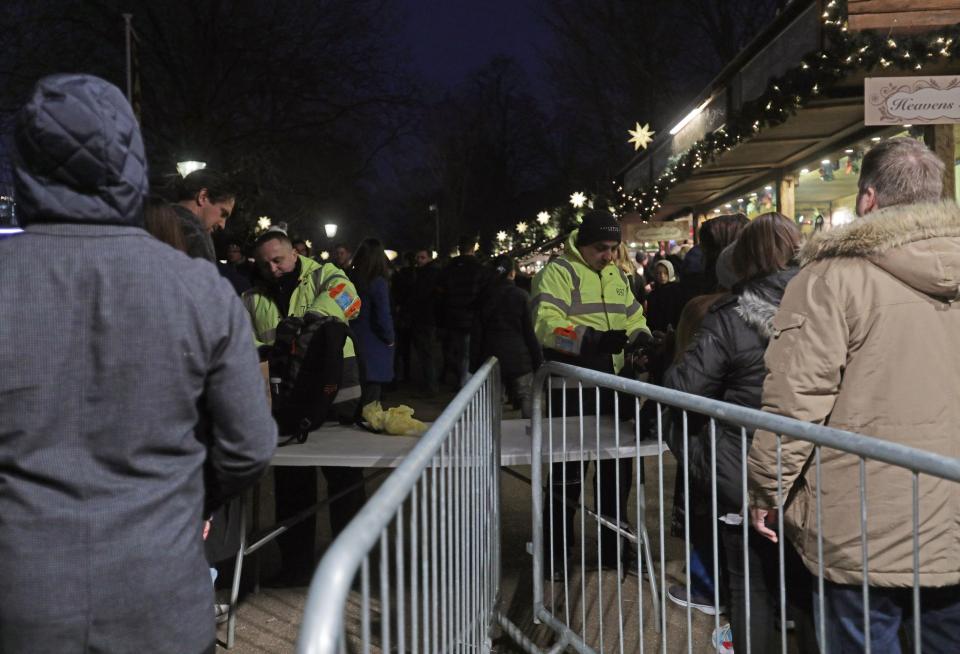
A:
(293, 286)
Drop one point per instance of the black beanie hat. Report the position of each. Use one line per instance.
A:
(598, 225)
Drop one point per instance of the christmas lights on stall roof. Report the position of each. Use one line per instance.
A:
(906, 53)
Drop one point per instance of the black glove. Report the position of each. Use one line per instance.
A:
(597, 342)
(612, 342)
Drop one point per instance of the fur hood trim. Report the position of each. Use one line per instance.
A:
(757, 311)
(884, 230)
(759, 299)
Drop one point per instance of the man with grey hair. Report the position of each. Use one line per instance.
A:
(898, 171)
(865, 340)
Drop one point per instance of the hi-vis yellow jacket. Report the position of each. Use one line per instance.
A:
(569, 296)
(323, 289)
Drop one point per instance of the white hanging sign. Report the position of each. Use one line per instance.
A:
(657, 231)
(912, 100)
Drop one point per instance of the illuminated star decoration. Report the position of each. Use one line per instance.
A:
(521, 227)
(324, 255)
(263, 222)
(309, 243)
(501, 236)
(543, 217)
(578, 199)
(641, 137)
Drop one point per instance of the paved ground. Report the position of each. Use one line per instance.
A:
(268, 620)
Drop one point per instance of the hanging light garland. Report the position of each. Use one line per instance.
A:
(546, 226)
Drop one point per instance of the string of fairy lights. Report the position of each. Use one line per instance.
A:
(845, 52)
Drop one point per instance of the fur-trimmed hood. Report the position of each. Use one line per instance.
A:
(759, 299)
(918, 244)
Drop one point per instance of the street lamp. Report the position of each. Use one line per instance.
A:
(187, 167)
(330, 229)
(435, 211)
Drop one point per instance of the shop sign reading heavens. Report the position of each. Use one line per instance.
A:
(912, 100)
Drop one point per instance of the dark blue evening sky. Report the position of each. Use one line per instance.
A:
(449, 39)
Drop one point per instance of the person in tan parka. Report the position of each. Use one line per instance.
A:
(865, 340)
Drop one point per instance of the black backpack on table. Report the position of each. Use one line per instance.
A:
(310, 380)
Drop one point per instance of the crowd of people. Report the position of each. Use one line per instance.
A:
(823, 332)
(140, 411)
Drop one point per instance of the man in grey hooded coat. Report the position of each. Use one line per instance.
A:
(112, 347)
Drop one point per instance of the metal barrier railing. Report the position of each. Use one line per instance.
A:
(573, 392)
(428, 539)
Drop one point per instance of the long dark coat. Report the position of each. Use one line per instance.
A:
(725, 362)
(503, 327)
(374, 331)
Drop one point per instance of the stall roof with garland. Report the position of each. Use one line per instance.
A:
(824, 92)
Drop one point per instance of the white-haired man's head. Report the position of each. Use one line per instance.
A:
(898, 171)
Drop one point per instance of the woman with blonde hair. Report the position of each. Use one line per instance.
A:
(623, 261)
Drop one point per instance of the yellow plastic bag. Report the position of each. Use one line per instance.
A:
(399, 421)
(372, 414)
(396, 421)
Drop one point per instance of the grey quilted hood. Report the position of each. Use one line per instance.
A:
(78, 154)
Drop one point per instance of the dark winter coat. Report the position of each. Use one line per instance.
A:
(373, 328)
(725, 362)
(112, 346)
(665, 305)
(198, 240)
(503, 328)
(402, 287)
(459, 288)
(238, 281)
(424, 299)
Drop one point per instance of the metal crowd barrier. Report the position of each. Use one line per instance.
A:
(417, 570)
(605, 625)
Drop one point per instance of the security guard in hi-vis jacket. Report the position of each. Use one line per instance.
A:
(291, 285)
(585, 314)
